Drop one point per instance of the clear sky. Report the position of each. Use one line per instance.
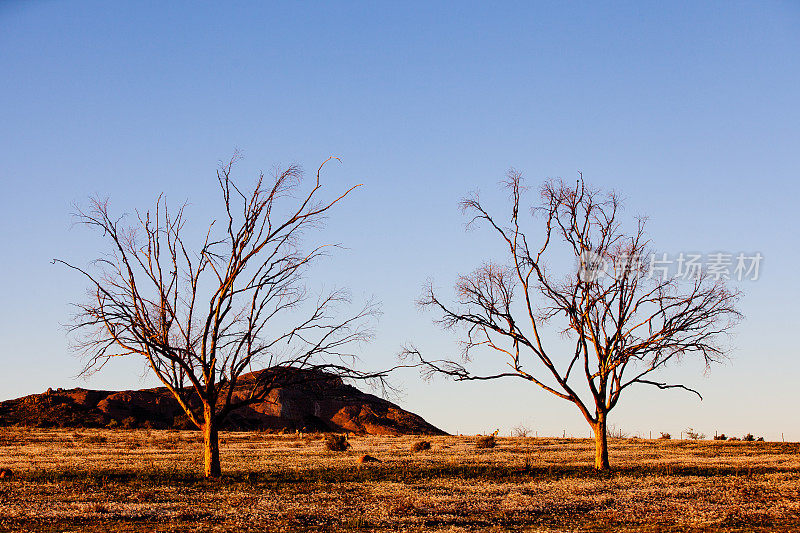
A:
(689, 110)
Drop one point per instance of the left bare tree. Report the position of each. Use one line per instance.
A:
(203, 316)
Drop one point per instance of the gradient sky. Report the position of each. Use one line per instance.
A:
(689, 110)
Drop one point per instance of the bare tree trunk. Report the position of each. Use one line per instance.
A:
(601, 443)
(210, 445)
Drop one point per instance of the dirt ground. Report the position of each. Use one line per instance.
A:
(149, 480)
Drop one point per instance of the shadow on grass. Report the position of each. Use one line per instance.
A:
(401, 473)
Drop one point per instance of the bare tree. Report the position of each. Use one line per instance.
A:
(625, 324)
(204, 316)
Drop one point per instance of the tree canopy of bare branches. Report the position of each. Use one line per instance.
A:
(625, 324)
(204, 315)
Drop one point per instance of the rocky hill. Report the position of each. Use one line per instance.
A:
(318, 405)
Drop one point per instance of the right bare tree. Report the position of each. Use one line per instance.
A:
(625, 323)
(202, 317)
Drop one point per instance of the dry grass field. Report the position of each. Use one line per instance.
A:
(106, 480)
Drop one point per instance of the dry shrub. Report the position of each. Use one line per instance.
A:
(694, 435)
(420, 446)
(733, 438)
(489, 441)
(521, 431)
(337, 443)
(721, 436)
(748, 438)
(665, 436)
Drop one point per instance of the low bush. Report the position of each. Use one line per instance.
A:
(420, 446)
(337, 443)
(748, 438)
(665, 436)
(694, 435)
(489, 441)
(721, 436)
(521, 431)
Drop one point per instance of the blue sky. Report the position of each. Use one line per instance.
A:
(688, 110)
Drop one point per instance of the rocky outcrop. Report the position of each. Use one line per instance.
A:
(315, 405)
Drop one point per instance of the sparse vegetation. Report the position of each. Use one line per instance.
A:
(420, 446)
(521, 431)
(749, 438)
(280, 483)
(487, 441)
(665, 436)
(721, 436)
(336, 442)
(694, 435)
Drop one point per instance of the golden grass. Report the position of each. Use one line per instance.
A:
(148, 480)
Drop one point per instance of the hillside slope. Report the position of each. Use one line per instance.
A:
(322, 405)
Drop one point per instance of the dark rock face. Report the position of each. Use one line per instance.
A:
(318, 405)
